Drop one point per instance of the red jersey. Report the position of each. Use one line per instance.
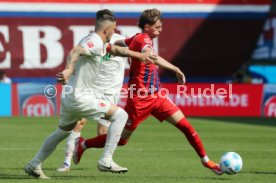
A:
(142, 76)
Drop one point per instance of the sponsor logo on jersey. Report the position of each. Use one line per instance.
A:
(90, 44)
(38, 105)
(148, 41)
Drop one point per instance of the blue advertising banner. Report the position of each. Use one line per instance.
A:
(33, 102)
(5, 100)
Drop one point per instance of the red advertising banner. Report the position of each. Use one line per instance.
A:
(217, 99)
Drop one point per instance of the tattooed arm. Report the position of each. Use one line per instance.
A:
(125, 52)
(73, 57)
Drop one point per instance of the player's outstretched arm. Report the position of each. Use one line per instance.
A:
(120, 43)
(145, 57)
(161, 62)
(73, 57)
(167, 65)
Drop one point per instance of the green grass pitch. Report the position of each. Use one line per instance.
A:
(156, 152)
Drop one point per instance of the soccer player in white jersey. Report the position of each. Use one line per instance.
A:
(80, 72)
(108, 84)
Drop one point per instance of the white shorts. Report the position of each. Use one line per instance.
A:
(113, 99)
(85, 106)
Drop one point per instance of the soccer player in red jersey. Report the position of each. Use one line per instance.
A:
(145, 97)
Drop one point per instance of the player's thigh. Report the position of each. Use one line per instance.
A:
(67, 121)
(69, 115)
(92, 108)
(138, 110)
(112, 98)
(165, 109)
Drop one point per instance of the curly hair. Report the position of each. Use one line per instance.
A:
(149, 16)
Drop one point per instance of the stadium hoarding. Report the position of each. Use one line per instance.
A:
(215, 100)
(209, 100)
(218, 99)
(36, 36)
(29, 99)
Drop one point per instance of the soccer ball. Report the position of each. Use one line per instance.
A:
(231, 163)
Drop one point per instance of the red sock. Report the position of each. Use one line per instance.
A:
(190, 133)
(99, 142)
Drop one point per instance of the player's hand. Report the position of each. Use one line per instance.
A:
(148, 57)
(62, 77)
(152, 57)
(180, 77)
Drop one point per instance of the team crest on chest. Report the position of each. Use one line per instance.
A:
(148, 40)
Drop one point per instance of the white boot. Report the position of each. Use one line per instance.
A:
(36, 172)
(111, 167)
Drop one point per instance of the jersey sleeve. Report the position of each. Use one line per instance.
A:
(127, 41)
(93, 47)
(140, 42)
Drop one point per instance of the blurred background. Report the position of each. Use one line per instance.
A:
(218, 42)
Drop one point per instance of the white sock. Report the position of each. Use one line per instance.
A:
(118, 121)
(70, 147)
(205, 159)
(48, 147)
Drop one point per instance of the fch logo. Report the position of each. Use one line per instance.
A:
(270, 107)
(38, 105)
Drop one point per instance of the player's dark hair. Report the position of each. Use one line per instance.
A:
(105, 14)
(149, 16)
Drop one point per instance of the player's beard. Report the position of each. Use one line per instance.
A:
(108, 37)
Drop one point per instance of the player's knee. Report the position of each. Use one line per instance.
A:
(123, 113)
(82, 122)
(119, 114)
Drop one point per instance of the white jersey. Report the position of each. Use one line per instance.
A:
(87, 67)
(111, 73)
(81, 101)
